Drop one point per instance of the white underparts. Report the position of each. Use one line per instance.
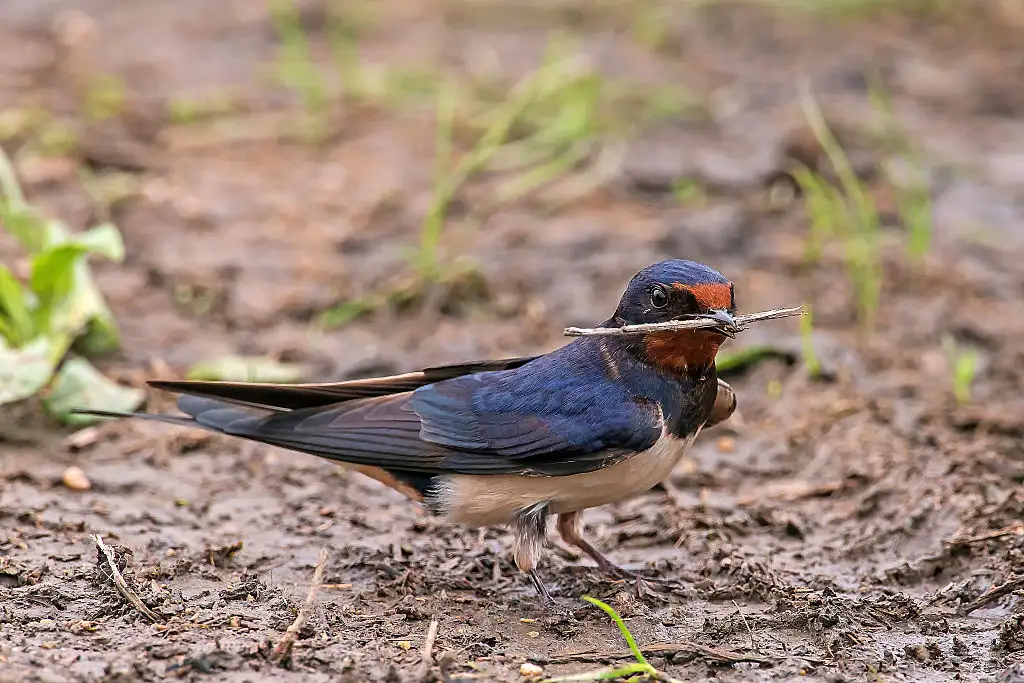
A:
(488, 500)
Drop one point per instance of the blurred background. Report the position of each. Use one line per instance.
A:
(308, 190)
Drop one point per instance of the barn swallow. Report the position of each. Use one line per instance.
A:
(511, 442)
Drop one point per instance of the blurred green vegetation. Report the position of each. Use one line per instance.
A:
(53, 314)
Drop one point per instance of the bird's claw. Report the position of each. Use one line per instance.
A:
(628, 574)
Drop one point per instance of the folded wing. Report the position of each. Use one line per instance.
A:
(548, 421)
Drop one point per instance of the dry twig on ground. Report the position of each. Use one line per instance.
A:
(284, 648)
(122, 586)
(683, 649)
(427, 653)
(1011, 584)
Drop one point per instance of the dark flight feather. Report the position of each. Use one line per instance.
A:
(282, 397)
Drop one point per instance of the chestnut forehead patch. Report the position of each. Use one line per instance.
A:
(709, 295)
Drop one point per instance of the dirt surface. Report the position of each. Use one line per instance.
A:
(861, 527)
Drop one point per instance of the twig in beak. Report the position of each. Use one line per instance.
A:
(742, 321)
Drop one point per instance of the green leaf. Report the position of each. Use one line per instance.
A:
(247, 369)
(101, 334)
(53, 274)
(69, 300)
(25, 371)
(80, 385)
(25, 223)
(15, 316)
(103, 239)
(87, 312)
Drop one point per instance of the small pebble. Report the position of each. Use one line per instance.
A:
(726, 444)
(530, 670)
(75, 479)
(83, 438)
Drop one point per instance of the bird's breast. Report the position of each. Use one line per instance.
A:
(484, 500)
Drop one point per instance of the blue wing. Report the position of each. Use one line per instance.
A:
(557, 415)
(553, 419)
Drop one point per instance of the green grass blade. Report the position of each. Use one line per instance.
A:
(963, 363)
(807, 343)
(745, 358)
(430, 235)
(639, 656)
(834, 151)
(525, 183)
(604, 674)
(346, 312)
(823, 210)
(297, 70)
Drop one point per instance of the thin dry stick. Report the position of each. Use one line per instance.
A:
(994, 593)
(674, 325)
(284, 647)
(122, 586)
(1016, 529)
(750, 632)
(683, 648)
(426, 654)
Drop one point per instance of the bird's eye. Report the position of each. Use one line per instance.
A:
(659, 299)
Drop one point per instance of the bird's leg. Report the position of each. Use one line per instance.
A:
(570, 529)
(529, 528)
(538, 583)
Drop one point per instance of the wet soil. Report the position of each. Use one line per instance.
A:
(865, 526)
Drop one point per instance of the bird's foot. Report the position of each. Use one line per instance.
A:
(612, 569)
(555, 610)
(641, 582)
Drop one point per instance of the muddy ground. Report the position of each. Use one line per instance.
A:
(864, 526)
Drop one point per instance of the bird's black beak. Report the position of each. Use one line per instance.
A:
(727, 324)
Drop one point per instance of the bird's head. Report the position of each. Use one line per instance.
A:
(679, 290)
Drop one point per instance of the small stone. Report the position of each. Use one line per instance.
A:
(726, 444)
(83, 438)
(80, 627)
(72, 28)
(918, 651)
(530, 670)
(75, 479)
